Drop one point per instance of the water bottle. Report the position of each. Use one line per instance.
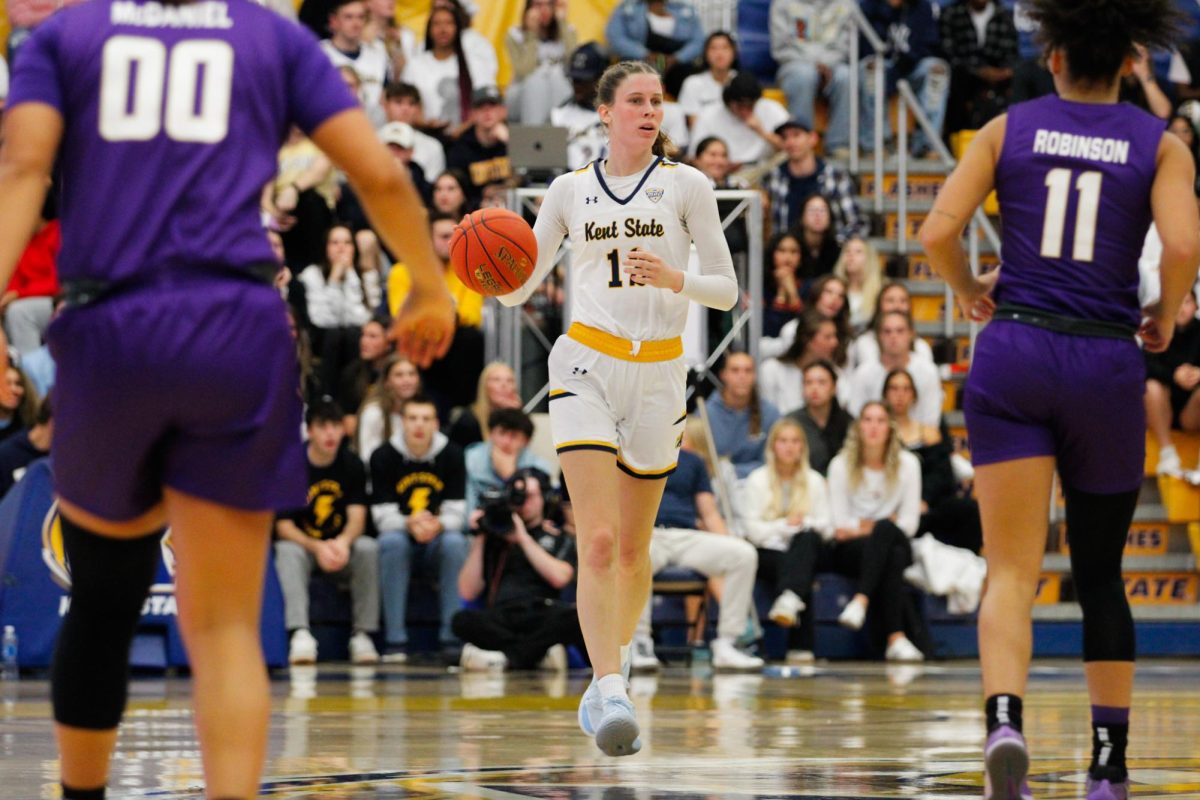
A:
(8, 648)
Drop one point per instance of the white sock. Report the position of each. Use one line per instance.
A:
(1168, 452)
(625, 648)
(612, 686)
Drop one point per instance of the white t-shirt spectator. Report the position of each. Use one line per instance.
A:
(586, 137)
(745, 146)
(373, 67)
(700, 91)
(867, 385)
(429, 154)
(865, 348)
(774, 533)
(782, 383)
(873, 498)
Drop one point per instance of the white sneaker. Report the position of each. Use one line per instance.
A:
(476, 659)
(903, 650)
(362, 649)
(800, 657)
(555, 659)
(853, 615)
(642, 655)
(1169, 463)
(727, 657)
(786, 609)
(303, 648)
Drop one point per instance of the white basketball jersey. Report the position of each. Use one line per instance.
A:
(606, 218)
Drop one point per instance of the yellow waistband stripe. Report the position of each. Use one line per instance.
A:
(624, 349)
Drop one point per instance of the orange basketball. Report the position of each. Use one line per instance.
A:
(493, 251)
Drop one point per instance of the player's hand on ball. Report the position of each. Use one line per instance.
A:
(425, 326)
(647, 269)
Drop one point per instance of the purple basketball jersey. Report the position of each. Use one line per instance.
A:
(174, 114)
(1074, 183)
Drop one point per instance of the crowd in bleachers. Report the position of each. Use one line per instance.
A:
(832, 447)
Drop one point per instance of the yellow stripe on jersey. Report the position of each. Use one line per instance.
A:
(560, 393)
(584, 168)
(624, 349)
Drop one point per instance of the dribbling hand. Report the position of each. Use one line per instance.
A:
(425, 326)
(646, 269)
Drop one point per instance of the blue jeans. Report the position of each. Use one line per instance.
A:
(930, 80)
(800, 81)
(398, 554)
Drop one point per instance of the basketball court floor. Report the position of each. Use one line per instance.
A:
(829, 731)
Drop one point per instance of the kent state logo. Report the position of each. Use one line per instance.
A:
(54, 554)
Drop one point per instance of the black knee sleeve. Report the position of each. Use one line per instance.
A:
(1097, 527)
(109, 582)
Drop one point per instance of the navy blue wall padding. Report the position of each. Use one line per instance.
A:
(33, 603)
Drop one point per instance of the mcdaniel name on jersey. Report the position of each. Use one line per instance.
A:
(634, 228)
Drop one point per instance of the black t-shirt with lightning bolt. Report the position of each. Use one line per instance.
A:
(331, 490)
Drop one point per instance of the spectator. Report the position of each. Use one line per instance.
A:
(587, 139)
(491, 463)
(980, 43)
(519, 575)
(480, 52)
(909, 29)
(809, 41)
(875, 494)
(818, 240)
(827, 296)
(402, 103)
(497, 389)
(1172, 378)
(781, 379)
(338, 302)
(369, 59)
(951, 519)
(399, 40)
(379, 418)
(666, 33)
(1140, 87)
(537, 51)
(417, 482)
(739, 418)
(363, 372)
(1031, 79)
(823, 418)
(781, 284)
(745, 119)
(401, 140)
(481, 152)
(444, 72)
(859, 266)
(301, 199)
(704, 89)
(787, 517)
(690, 532)
(310, 382)
(328, 533)
(38, 365)
(28, 302)
(20, 450)
(802, 176)
(18, 409)
(894, 296)
(450, 195)
(896, 352)
(25, 15)
(712, 158)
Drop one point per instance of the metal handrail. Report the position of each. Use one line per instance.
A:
(863, 26)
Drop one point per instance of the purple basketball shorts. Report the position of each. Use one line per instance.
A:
(192, 385)
(1036, 392)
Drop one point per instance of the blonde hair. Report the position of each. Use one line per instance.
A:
(696, 435)
(606, 93)
(482, 408)
(872, 272)
(797, 486)
(853, 450)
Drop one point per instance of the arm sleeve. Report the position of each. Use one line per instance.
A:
(716, 285)
(908, 515)
(839, 495)
(388, 517)
(550, 228)
(820, 515)
(453, 515)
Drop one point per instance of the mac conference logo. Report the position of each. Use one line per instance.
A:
(54, 556)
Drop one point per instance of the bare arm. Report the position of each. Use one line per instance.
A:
(425, 326)
(1174, 207)
(554, 571)
(356, 523)
(288, 531)
(470, 577)
(710, 515)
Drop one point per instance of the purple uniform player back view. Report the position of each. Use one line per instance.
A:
(1073, 180)
(175, 363)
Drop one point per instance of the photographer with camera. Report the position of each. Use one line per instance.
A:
(418, 478)
(491, 463)
(518, 564)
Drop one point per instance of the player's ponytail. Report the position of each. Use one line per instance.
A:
(606, 94)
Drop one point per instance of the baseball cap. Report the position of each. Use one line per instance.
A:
(793, 123)
(400, 134)
(587, 63)
(486, 95)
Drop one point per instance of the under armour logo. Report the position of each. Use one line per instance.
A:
(578, 371)
(587, 201)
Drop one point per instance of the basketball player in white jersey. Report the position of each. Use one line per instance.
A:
(617, 379)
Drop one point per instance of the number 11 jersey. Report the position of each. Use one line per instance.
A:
(174, 114)
(1073, 181)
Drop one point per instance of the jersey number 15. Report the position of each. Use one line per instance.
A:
(1088, 186)
(138, 77)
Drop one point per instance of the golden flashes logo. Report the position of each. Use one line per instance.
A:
(54, 553)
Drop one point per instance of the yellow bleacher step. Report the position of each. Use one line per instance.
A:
(1162, 588)
(1049, 590)
(1180, 498)
(1186, 444)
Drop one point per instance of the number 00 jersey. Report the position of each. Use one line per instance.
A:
(660, 210)
(1074, 184)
